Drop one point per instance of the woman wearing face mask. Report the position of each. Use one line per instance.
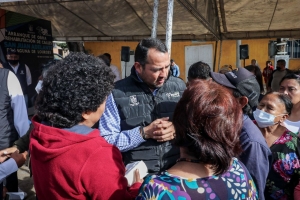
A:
(284, 174)
(290, 85)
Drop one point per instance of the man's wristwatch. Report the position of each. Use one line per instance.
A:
(143, 133)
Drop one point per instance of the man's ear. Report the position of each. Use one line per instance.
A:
(138, 67)
(243, 101)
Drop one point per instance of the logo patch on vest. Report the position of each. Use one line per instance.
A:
(22, 72)
(133, 100)
(175, 94)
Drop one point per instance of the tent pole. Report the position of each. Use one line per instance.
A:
(154, 19)
(169, 25)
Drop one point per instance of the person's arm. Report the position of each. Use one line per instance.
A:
(110, 129)
(28, 75)
(7, 168)
(17, 104)
(108, 180)
(118, 77)
(257, 159)
(22, 144)
(116, 71)
(11, 165)
(178, 71)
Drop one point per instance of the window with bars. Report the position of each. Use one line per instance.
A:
(293, 48)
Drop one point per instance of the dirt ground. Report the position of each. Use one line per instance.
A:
(26, 183)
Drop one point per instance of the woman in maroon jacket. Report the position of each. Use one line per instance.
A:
(69, 159)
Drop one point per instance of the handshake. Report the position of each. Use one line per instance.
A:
(13, 153)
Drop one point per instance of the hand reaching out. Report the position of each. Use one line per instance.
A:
(5, 153)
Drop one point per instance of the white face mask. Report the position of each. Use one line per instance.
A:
(264, 119)
(38, 86)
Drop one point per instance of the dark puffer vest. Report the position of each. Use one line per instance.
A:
(8, 132)
(139, 107)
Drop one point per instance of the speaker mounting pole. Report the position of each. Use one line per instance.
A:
(238, 60)
(125, 69)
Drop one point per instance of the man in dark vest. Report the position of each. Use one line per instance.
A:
(13, 119)
(21, 71)
(138, 114)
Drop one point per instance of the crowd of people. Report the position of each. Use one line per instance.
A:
(218, 136)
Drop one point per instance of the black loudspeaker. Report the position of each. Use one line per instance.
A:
(244, 52)
(125, 54)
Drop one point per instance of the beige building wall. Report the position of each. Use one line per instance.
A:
(258, 49)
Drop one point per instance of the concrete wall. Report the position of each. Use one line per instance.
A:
(258, 49)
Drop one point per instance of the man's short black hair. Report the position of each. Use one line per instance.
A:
(105, 59)
(199, 70)
(77, 84)
(107, 55)
(141, 51)
(281, 61)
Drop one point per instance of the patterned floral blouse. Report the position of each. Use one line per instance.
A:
(236, 183)
(285, 170)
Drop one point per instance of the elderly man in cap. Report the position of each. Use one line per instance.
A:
(256, 154)
(20, 70)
